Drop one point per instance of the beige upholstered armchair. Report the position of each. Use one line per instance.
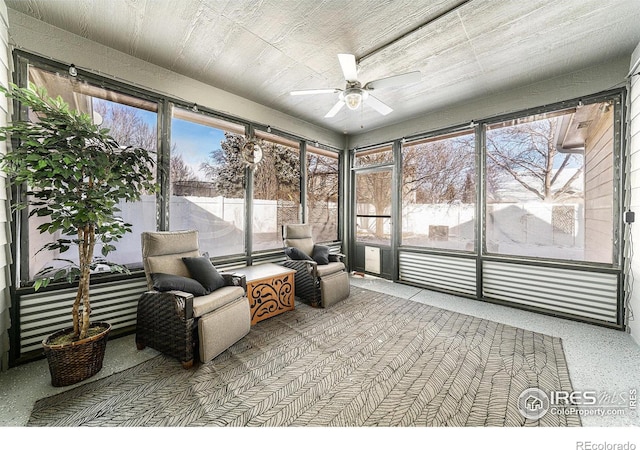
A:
(190, 308)
(321, 278)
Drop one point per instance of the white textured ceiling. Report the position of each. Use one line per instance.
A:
(261, 50)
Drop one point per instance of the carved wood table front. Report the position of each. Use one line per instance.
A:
(270, 289)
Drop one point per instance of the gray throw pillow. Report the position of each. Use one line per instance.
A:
(297, 254)
(204, 272)
(167, 282)
(320, 254)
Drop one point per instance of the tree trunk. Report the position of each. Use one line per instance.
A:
(86, 238)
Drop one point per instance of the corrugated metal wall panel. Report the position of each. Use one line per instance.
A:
(269, 258)
(438, 271)
(43, 313)
(230, 266)
(586, 294)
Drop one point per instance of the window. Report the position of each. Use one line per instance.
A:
(322, 193)
(373, 206)
(276, 190)
(550, 185)
(204, 184)
(373, 187)
(439, 192)
(207, 181)
(375, 156)
(131, 121)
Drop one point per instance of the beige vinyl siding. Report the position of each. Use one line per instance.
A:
(599, 184)
(5, 230)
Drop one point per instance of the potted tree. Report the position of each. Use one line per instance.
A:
(75, 175)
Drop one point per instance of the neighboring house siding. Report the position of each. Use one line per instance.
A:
(598, 190)
(5, 230)
(634, 183)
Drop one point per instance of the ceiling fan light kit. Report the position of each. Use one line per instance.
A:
(354, 95)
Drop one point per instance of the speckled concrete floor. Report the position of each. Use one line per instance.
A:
(601, 360)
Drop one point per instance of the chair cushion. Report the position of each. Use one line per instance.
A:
(214, 300)
(330, 268)
(320, 254)
(221, 330)
(156, 243)
(298, 231)
(168, 282)
(172, 263)
(297, 254)
(299, 236)
(334, 288)
(201, 269)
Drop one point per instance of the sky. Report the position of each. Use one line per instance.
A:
(195, 142)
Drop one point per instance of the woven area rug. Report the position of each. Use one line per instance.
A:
(371, 360)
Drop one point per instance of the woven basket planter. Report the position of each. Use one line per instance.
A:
(76, 361)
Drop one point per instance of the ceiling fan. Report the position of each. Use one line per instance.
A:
(354, 94)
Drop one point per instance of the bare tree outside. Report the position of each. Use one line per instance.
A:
(322, 195)
(536, 185)
(440, 171)
(439, 192)
(180, 171)
(528, 154)
(373, 196)
(373, 192)
(127, 125)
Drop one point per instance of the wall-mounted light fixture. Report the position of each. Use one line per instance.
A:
(605, 107)
(251, 153)
(73, 71)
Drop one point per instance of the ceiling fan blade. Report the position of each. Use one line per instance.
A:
(333, 111)
(395, 80)
(378, 105)
(349, 67)
(314, 91)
